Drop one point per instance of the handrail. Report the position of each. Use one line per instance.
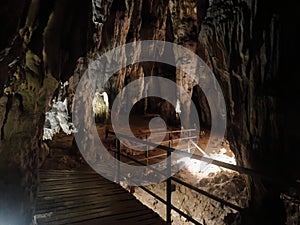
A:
(165, 142)
(170, 178)
(173, 207)
(239, 169)
(167, 132)
(224, 202)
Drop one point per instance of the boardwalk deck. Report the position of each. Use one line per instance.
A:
(85, 198)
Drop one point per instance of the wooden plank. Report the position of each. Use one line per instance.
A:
(67, 176)
(88, 183)
(104, 209)
(58, 199)
(117, 212)
(111, 218)
(83, 190)
(145, 219)
(72, 200)
(58, 196)
(70, 189)
(73, 204)
(86, 198)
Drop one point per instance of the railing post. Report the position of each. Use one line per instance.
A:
(118, 158)
(169, 189)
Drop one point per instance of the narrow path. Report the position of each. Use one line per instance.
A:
(85, 198)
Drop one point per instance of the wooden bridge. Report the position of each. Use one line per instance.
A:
(85, 198)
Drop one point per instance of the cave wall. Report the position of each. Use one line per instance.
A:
(240, 41)
(46, 44)
(243, 43)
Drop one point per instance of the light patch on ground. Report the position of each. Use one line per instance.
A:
(199, 169)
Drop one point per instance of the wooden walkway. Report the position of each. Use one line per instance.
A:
(85, 198)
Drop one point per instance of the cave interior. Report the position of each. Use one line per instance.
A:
(251, 49)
